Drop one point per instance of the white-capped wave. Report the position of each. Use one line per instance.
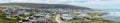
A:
(112, 16)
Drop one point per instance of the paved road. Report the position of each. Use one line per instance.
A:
(58, 19)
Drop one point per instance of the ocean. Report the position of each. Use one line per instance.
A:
(114, 15)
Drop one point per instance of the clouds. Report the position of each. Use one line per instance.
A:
(4, 1)
(87, 3)
(83, 2)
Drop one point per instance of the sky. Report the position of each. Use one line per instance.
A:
(96, 4)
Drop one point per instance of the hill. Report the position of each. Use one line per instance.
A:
(36, 5)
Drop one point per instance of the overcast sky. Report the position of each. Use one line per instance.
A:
(99, 4)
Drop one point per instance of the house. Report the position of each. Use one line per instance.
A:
(77, 18)
(37, 19)
(41, 15)
(25, 21)
(27, 10)
(88, 17)
(10, 10)
(83, 14)
(24, 12)
(64, 12)
(8, 16)
(67, 17)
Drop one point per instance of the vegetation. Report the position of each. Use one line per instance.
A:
(53, 18)
(7, 20)
(2, 8)
(92, 14)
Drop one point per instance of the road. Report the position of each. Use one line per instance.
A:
(58, 19)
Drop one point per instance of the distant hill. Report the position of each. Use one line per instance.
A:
(36, 5)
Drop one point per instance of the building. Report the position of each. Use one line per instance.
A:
(83, 14)
(25, 21)
(41, 15)
(67, 17)
(8, 16)
(37, 20)
(77, 18)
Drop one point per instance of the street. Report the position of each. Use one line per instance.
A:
(58, 19)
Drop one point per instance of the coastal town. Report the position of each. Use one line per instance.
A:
(17, 14)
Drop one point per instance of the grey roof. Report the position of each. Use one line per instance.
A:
(67, 17)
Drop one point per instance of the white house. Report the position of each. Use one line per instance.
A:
(67, 17)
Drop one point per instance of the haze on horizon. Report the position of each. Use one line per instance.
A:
(96, 4)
